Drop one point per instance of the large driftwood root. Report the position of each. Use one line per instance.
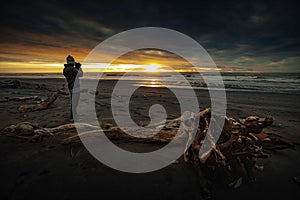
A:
(237, 149)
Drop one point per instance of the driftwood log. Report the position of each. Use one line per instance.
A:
(33, 133)
(23, 98)
(40, 106)
(167, 132)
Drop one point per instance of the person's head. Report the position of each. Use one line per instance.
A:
(70, 60)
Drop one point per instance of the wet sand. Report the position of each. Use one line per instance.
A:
(49, 170)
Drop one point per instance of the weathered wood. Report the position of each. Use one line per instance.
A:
(166, 132)
(22, 98)
(116, 134)
(64, 129)
(22, 128)
(40, 106)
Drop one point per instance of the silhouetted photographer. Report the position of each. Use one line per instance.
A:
(72, 71)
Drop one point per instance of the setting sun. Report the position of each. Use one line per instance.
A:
(152, 68)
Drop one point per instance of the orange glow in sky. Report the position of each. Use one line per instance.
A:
(135, 61)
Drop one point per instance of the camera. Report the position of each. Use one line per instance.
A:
(77, 65)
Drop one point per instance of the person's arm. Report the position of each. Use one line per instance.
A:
(64, 72)
(80, 72)
(75, 72)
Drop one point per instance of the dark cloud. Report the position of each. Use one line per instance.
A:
(236, 33)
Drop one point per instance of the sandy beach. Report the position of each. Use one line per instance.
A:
(49, 170)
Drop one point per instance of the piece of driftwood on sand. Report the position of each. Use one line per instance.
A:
(23, 98)
(31, 132)
(40, 106)
(166, 131)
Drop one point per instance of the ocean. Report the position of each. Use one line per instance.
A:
(244, 82)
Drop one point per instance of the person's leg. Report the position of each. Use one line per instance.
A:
(71, 99)
(75, 101)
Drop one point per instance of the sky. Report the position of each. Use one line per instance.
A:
(240, 36)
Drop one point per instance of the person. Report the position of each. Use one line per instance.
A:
(72, 71)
